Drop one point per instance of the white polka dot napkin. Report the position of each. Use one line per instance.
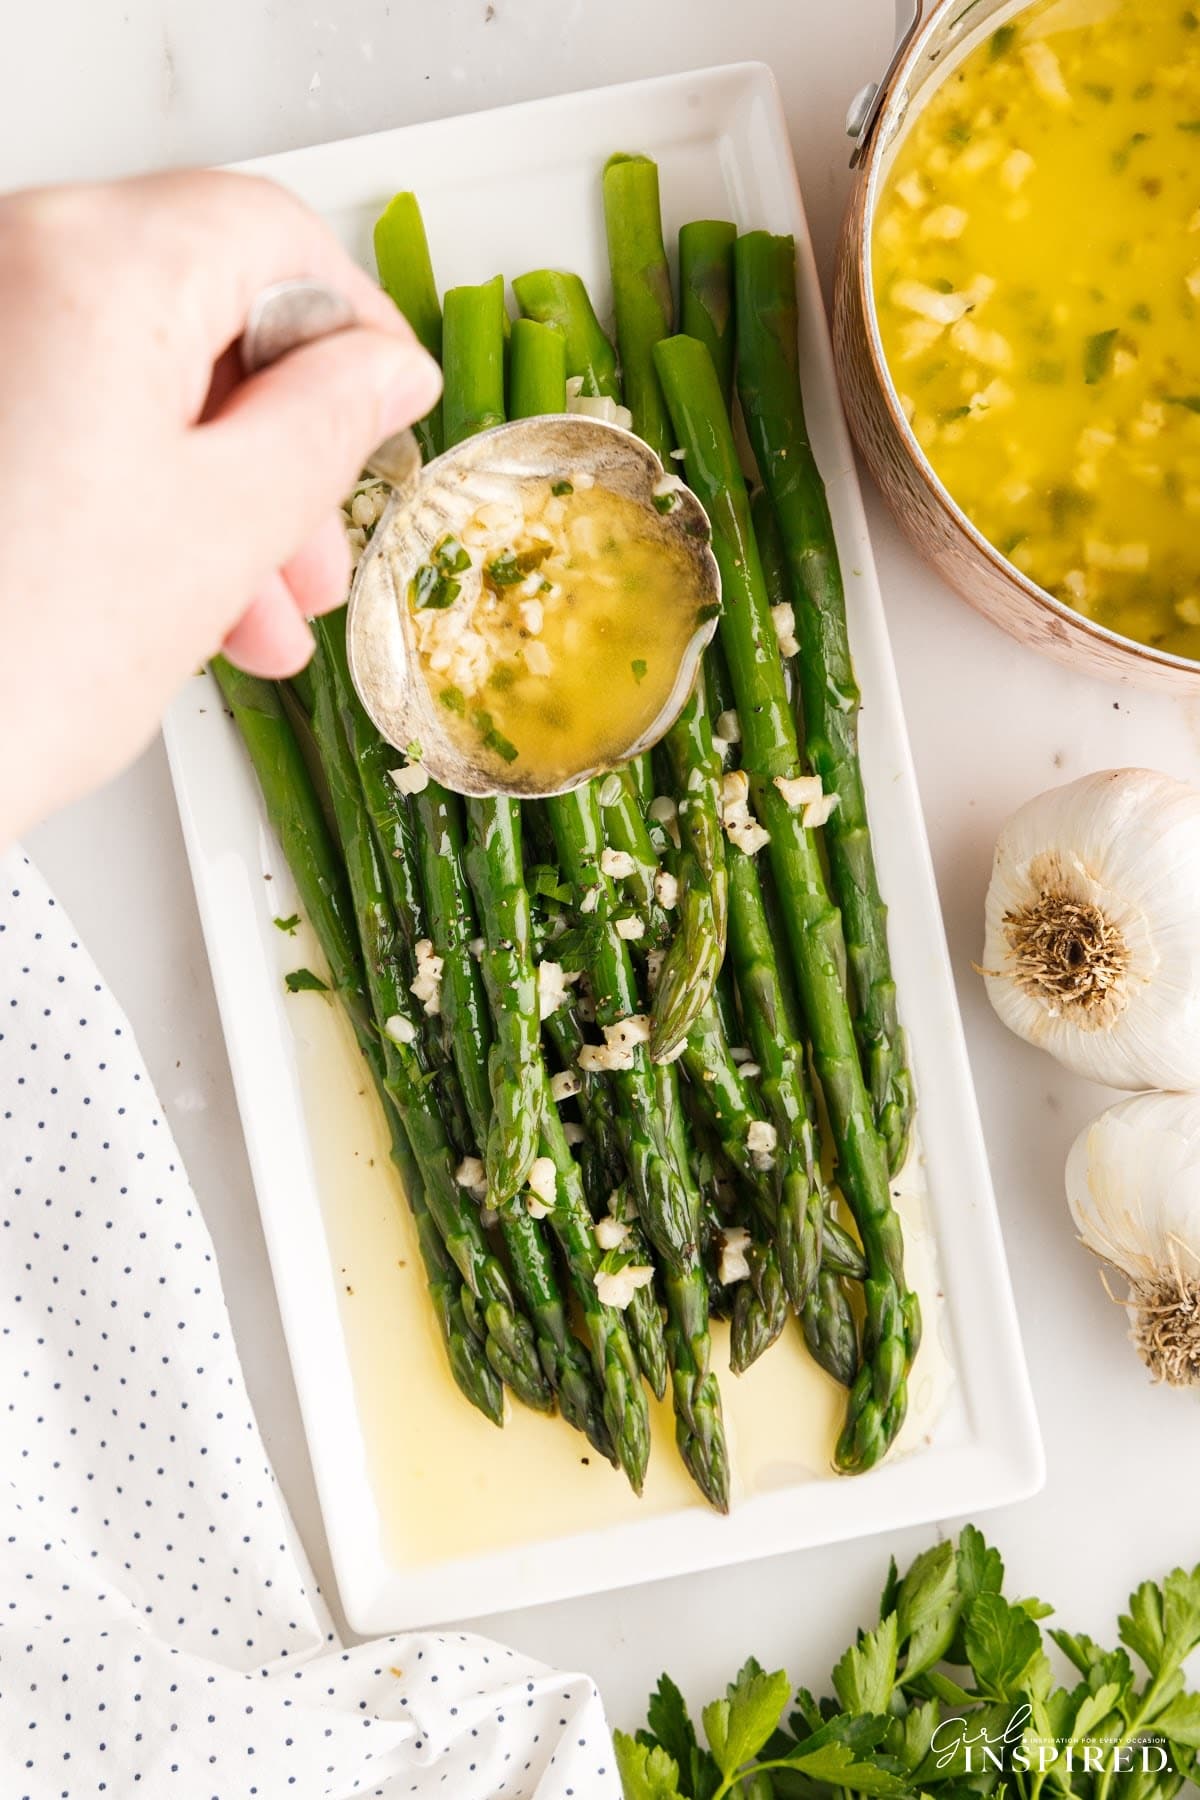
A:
(160, 1632)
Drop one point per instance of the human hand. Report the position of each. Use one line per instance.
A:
(153, 506)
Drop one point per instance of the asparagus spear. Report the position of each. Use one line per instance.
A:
(496, 874)
(769, 385)
(538, 364)
(644, 312)
(769, 1017)
(769, 752)
(555, 298)
(540, 392)
(510, 1340)
(625, 825)
(473, 333)
(706, 292)
(453, 928)
(602, 1165)
(625, 1412)
(641, 290)
(295, 815)
(396, 839)
(464, 1004)
(759, 1308)
(829, 1328)
(647, 1101)
(693, 962)
(406, 273)
(474, 399)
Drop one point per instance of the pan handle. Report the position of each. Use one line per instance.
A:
(864, 108)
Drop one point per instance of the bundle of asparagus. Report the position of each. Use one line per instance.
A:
(587, 1199)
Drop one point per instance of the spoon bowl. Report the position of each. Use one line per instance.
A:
(380, 635)
(428, 503)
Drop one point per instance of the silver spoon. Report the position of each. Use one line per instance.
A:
(429, 501)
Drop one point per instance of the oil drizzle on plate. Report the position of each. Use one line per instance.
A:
(448, 1484)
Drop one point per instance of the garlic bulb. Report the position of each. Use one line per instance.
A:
(1133, 1184)
(1093, 928)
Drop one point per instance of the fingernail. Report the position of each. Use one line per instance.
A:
(411, 393)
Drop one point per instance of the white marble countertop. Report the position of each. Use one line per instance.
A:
(133, 84)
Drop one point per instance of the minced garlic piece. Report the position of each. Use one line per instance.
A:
(799, 790)
(427, 986)
(412, 778)
(618, 865)
(733, 1265)
(565, 1084)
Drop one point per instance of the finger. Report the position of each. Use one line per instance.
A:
(310, 420)
(229, 236)
(270, 639)
(319, 573)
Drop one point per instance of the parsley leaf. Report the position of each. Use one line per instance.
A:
(289, 925)
(1141, 1628)
(866, 1675)
(1181, 1721)
(980, 1568)
(1001, 1641)
(646, 1773)
(740, 1725)
(669, 1721)
(837, 1764)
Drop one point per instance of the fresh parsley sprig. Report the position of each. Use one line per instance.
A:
(952, 1696)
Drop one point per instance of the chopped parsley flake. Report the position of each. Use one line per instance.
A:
(433, 586)
(303, 981)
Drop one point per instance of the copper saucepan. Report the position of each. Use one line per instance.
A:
(932, 40)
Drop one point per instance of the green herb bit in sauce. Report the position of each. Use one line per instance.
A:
(433, 586)
(1190, 401)
(289, 925)
(1002, 40)
(666, 503)
(453, 699)
(1098, 353)
(561, 488)
(639, 666)
(493, 739)
(1120, 158)
(1099, 90)
(512, 566)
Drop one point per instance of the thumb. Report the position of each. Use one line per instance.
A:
(296, 435)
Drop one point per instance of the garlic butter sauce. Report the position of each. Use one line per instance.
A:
(551, 629)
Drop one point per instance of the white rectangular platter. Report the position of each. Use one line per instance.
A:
(431, 1514)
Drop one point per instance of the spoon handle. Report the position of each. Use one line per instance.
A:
(291, 314)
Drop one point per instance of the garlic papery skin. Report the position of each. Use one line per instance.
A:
(1133, 1186)
(1092, 949)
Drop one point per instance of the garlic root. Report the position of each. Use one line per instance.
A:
(1133, 1186)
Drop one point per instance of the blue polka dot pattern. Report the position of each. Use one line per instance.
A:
(160, 1632)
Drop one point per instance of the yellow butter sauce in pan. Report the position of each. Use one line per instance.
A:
(1037, 280)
